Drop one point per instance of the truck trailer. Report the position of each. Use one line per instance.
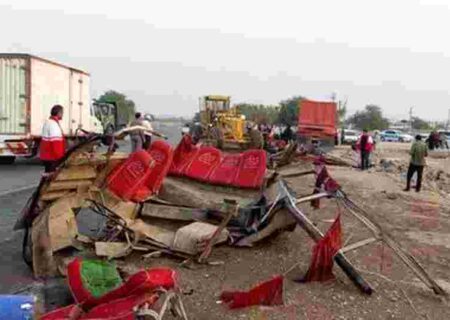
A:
(317, 122)
(29, 87)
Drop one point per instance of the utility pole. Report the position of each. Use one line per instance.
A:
(410, 118)
(448, 120)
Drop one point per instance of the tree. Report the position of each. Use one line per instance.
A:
(126, 108)
(371, 118)
(341, 112)
(259, 113)
(289, 111)
(420, 124)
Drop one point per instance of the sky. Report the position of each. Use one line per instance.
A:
(166, 54)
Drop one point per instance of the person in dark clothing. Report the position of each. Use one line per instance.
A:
(287, 135)
(418, 153)
(364, 149)
(433, 140)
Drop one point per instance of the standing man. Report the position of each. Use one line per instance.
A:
(147, 123)
(256, 138)
(137, 136)
(217, 135)
(418, 153)
(53, 145)
(365, 146)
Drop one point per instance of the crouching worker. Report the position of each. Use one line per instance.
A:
(53, 146)
(418, 153)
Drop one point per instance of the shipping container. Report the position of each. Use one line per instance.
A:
(29, 87)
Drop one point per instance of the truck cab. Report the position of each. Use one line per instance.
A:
(106, 114)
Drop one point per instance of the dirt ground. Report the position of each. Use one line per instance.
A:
(420, 222)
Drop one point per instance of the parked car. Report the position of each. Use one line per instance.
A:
(391, 136)
(351, 136)
(404, 137)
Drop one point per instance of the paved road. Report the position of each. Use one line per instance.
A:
(23, 173)
(14, 273)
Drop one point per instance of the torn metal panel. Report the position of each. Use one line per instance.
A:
(42, 255)
(54, 195)
(68, 185)
(62, 226)
(282, 220)
(85, 172)
(188, 193)
(168, 212)
(158, 234)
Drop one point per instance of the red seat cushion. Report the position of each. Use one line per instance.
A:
(162, 153)
(82, 284)
(205, 161)
(252, 169)
(131, 177)
(120, 309)
(225, 173)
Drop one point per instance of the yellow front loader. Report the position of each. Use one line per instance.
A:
(217, 115)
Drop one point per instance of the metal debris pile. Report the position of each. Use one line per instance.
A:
(73, 214)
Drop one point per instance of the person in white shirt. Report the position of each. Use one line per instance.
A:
(147, 135)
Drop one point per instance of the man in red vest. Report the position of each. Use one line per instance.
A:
(365, 146)
(53, 146)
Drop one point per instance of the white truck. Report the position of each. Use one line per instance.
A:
(29, 87)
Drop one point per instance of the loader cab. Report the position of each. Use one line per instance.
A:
(212, 106)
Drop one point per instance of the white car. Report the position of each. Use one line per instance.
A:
(404, 137)
(351, 136)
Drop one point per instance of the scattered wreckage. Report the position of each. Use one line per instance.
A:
(180, 202)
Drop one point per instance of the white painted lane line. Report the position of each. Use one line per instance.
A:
(8, 192)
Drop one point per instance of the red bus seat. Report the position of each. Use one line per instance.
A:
(252, 169)
(162, 154)
(225, 173)
(129, 181)
(204, 162)
(183, 155)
